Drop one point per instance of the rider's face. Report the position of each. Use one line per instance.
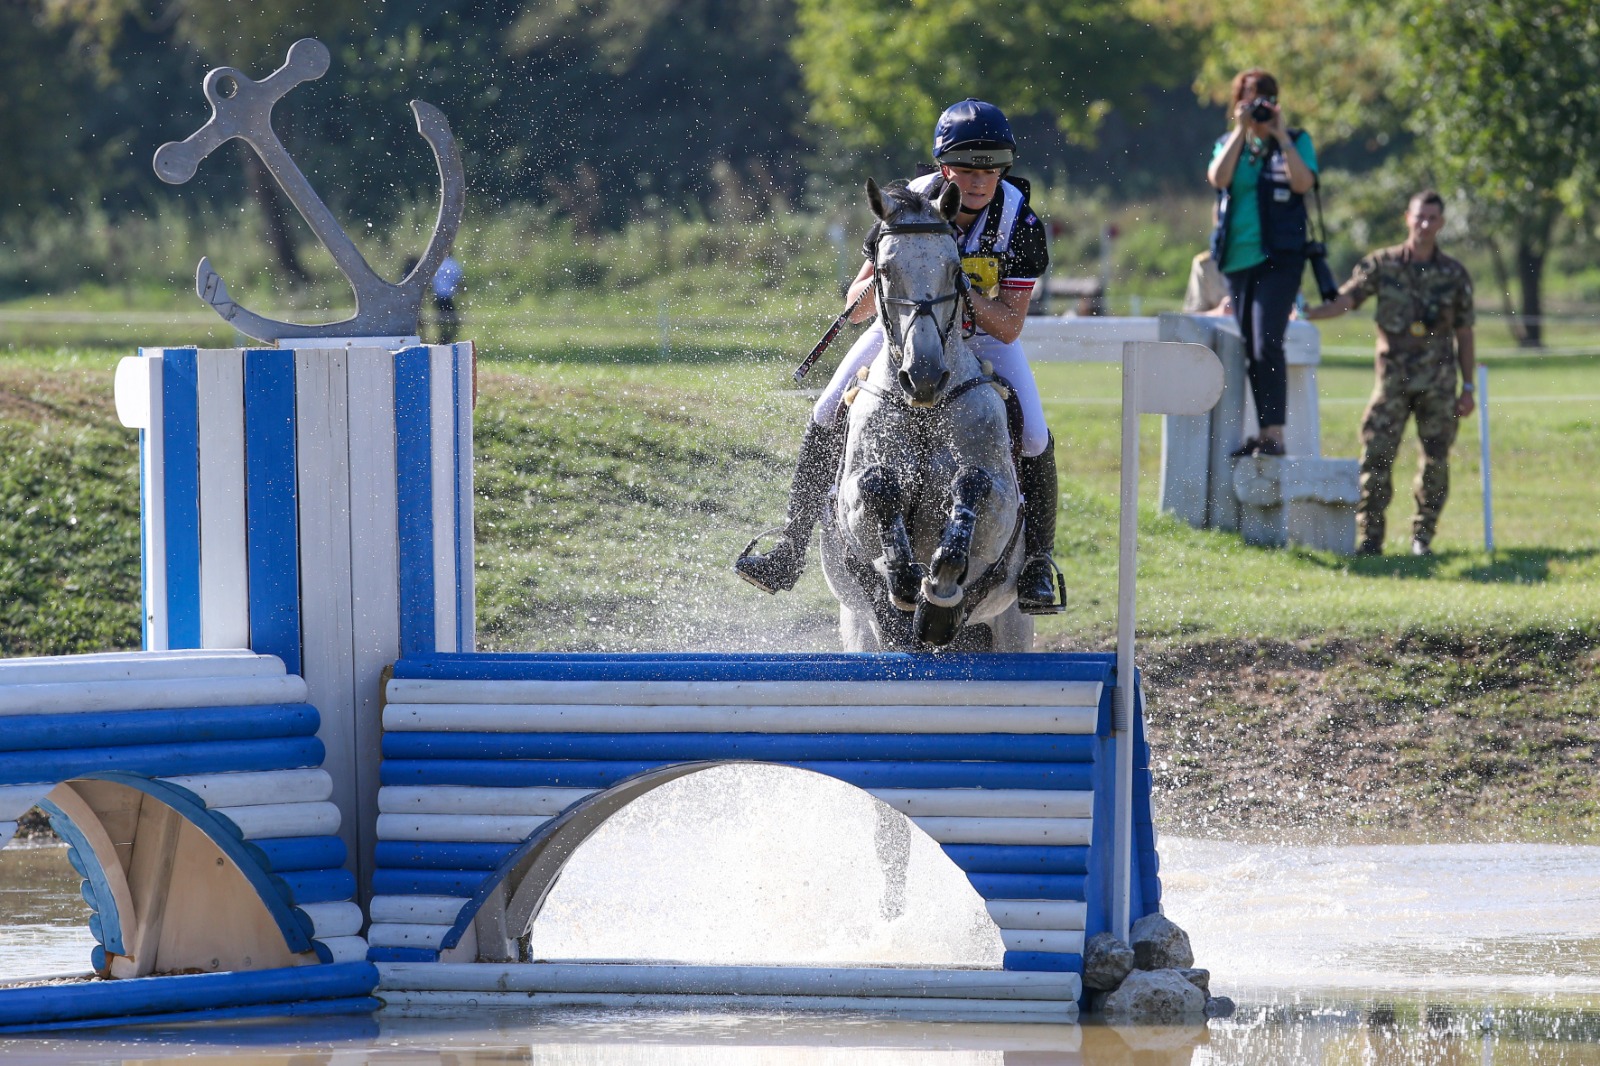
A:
(977, 186)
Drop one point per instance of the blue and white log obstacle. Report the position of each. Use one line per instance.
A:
(315, 507)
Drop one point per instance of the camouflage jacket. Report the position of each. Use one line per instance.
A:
(1420, 303)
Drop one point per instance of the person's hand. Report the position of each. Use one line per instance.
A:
(1276, 127)
(1464, 405)
(1241, 115)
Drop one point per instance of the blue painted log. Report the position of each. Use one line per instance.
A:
(301, 1035)
(1033, 666)
(187, 992)
(180, 494)
(431, 855)
(1051, 961)
(764, 747)
(413, 424)
(1029, 886)
(161, 760)
(1074, 777)
(1018, 858)
(464, 883)
(287, 854)
(320, 886)
(191, 725)
(402, 955)
(271, 523)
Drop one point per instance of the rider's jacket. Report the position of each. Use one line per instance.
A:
(1005, 247)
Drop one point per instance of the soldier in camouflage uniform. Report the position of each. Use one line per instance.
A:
(1425, 320)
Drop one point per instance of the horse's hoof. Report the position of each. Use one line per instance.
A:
(936, 626)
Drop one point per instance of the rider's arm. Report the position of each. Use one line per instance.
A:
(862, 284)
(1004, 316)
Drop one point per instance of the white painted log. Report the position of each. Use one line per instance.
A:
(687, 979)
(742, 718)
(253, 789)
(84, 696)
(17, 800)
(7, 831)
(345, 948)
(463, 799)
(397, 935)
(1064, 940)
(1037, 913)
(987, 803)
(1006, 830)
(417, 910)
(464, 828)
(1061, 1012)
(268, 820)
(138, 666)
(224, 562)
(442, 440)
(333, 919)
(874, 694)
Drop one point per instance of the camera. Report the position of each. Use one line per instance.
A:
(1321, 273)
(1261, 109)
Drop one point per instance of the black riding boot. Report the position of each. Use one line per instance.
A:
(779, 569)
(1036, 585)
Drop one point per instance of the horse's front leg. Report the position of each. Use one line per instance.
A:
(883, 503)
(939, 614)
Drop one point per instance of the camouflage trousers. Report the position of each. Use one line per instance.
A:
(1423, 385)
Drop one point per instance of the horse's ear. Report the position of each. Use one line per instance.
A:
(950, 202)
(875, 200)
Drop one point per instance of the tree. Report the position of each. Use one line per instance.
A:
(1505, 102)
(880, 71)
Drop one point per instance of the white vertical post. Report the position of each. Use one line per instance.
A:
(1483, 458)
(1123, 697)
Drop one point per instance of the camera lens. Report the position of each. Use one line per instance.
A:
(1261, 109)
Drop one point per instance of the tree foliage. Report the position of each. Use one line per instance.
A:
(878, 72)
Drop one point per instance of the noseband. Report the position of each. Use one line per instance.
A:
(891, 324)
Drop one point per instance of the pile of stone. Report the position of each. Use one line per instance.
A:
(1152, 978)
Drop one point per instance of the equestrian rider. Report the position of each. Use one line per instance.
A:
(1003, 252)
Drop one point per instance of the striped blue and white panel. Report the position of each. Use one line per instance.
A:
(1003, 761)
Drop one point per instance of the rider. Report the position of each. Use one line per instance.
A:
(1003, 253)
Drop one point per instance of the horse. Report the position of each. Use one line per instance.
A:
(922, 546)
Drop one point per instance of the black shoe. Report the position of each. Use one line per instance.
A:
(1268, 446)
(1036, 587)
(1245, 450)
(1370, 547)
(776, 571)
(1421, 547)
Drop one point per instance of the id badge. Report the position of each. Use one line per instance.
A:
(984, 273)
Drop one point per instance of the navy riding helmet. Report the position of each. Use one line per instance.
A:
(974, 134)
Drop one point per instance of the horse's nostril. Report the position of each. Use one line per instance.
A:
(944, 379)
(905, 381)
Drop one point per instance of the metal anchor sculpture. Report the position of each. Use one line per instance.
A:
(242, 108)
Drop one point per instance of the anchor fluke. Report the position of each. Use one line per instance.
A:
(242, 108)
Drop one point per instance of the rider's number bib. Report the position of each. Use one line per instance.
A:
(984, 273)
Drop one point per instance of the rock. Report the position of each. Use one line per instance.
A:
(1106, 961)
(1201, 979)
(1219, 1007)
(1097, 1000)
(1158, 944)
(1156, 996)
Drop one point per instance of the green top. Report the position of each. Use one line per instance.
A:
(1243, 249)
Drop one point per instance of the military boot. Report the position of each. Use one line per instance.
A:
(777, 570)
(1036, 585)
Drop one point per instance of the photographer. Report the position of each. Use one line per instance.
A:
(1262, 171)
(1425, 318)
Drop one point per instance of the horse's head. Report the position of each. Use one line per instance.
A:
(919, 285)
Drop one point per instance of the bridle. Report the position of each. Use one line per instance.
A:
(891, 323)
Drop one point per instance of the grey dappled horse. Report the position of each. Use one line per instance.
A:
(923, 545)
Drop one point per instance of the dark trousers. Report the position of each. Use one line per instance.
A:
(1263, 296)
(449, 318)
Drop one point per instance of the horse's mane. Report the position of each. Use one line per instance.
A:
(904, 198)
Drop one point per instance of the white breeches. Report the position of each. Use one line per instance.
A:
(1009, 361)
